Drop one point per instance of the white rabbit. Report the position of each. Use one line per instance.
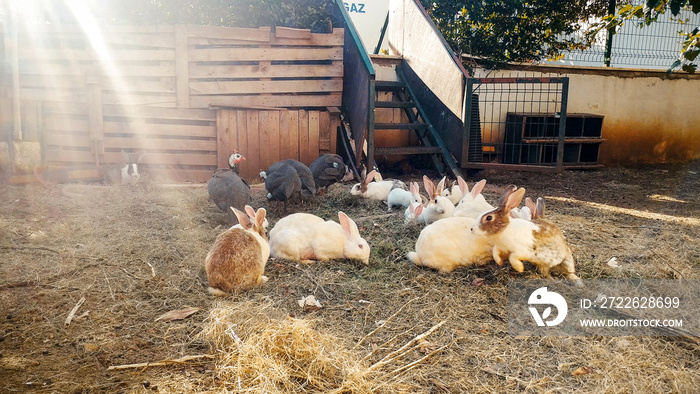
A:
(438, 207)
(448, 244)
(403, 198)
(540, 242)
(237, 259)
(454, 193)
(304, 237)
(375, 190)
(473, 202)
(414, 213)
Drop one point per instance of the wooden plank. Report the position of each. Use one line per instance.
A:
(294, 134)
(238, 33)
(253, 135)
(55, 139)
(242, 122)
(53, 95)
(272, 71)
(234, 132)
(274, 132)
(304, 137)
(176, 174)
(55, 122)
(263, 87)
(223, 126)
(51, 82)
(137, 85)
(154, 99)
(182, 67)
(70, 156)
(158, 158)
(284, 131)
(34, 53)
(38, 68)
(155, 129)
(95, 115)
(324, 132)
(288, 32)
(164, 40)
(264, 139)
(336, 38)
(313, 136)
(28, 113)
(105, 29)
(178, 144)
(160, 113)
(275, 101)
(263, 54)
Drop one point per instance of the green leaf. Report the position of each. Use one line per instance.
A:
(689, 68)
(692, 54)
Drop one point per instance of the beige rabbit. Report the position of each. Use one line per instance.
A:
(448, 243)
(304, 237)
(237, 259)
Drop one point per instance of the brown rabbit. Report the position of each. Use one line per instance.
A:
(538, 241)
(237, 259)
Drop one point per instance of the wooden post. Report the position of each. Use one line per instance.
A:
(13, 48)
(182, 67)
(95, 114)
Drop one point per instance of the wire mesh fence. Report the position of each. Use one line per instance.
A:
(515, 120)
(634, 45)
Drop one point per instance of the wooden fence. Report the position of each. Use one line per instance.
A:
(185, 95)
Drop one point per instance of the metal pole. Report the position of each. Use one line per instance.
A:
(611, 33)
(562, 124)
(467, 111)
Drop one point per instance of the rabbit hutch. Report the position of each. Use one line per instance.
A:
(185, 96)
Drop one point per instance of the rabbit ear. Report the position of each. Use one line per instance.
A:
(539, 211)
(530, 205)
(478, 188)
(243, 218)
(418, 210)
(140, 157)
(260, 217)
(348, 225)
(250, 211)
(125, 156)
(441, 185)
(513, 199)
(429, 185)
(462, 185)
(369, 178)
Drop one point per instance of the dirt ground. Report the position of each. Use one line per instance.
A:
(135, 253)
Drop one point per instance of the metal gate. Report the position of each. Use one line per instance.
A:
(517, 123)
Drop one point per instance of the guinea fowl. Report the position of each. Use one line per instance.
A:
(282, 184)
(308, 186)
(329, 169)
(227, 189)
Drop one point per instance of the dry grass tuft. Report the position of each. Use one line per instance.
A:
(260, 353)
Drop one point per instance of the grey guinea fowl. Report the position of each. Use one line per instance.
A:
(328, 169)
(308, 186)
(282, 183)
(227, 189)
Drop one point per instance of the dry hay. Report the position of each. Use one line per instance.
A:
(259, 353)
(137, 253)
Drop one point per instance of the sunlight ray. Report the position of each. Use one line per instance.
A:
(632, 212)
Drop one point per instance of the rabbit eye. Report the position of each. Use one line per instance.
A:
(489, 218)
(361, 246)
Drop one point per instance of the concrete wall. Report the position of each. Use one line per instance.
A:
(649, 117)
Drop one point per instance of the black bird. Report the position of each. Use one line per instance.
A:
(329, 169)
(227, 189)
(308, 186)
(282, 184)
